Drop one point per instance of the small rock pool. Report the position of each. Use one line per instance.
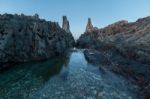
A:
(61, 78)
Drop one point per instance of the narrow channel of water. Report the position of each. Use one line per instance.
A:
(62, 78)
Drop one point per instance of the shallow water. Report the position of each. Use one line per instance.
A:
(62, 78)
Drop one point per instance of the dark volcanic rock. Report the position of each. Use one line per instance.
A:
(25, 38)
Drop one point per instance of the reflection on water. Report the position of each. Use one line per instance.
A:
(63, 78)
(23, 79)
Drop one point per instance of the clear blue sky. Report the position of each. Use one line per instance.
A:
(102, 12)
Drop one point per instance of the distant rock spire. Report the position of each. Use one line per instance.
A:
(89, 27)
(65, 24)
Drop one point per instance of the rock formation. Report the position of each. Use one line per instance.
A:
(26, 38)
(65, 24)
(89, 27)
(124, 48)
(131, 39)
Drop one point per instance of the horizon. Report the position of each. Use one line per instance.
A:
(102, 13)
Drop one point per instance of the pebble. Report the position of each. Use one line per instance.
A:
(72, 97)
(129, 97)
(90, 97)
(92, 87)
(94, 92)
(58, 93)
(44, 95)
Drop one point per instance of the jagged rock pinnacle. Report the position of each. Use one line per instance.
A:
(65, 24)
(89, 27)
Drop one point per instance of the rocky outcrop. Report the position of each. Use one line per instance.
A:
(26, 38)
(89, 27)
(125, 49)
(65, 25)
(95, 57)
(130, 39)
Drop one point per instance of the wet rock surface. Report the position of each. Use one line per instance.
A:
(27, 38)
(134, 71)
(95, 57)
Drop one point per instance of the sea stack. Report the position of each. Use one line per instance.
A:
(89, 27)
(65, 24)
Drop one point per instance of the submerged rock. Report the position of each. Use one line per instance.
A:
(26, 38)
(95, 57)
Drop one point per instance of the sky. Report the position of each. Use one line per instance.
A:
(102, 12)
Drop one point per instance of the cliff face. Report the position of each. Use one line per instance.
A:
(25, 38)
(129, 39)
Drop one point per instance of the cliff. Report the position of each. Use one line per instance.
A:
(26, 38)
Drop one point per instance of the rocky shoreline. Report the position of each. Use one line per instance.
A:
(130, 39)
(29, 38)
(123, 48)
(127, 68)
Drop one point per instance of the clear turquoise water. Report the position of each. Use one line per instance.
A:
(62, 78)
